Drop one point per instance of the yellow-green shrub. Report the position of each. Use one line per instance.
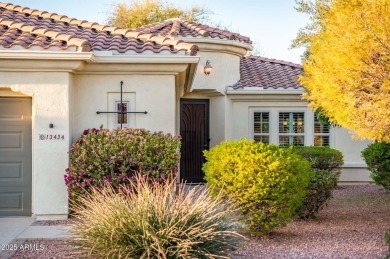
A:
(267, 183)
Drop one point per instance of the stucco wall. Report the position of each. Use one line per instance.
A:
(225, 71)
(354, 169)
(50, 98)
(152, 93)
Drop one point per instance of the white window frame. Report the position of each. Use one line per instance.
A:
(252, 129)
(321, 134)
(291, 134)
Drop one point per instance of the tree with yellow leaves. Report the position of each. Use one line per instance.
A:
(347, 70)
(137, 13)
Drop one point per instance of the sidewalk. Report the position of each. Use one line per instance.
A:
(13, 229)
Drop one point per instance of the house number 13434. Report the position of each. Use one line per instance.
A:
(51, 137)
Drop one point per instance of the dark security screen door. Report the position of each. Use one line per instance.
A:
(194, 130)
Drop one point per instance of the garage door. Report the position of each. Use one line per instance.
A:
(15, 157)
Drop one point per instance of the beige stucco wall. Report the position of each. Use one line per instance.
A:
(354, 166)
(68, 93)
(225, 71)
(152, 93)
(354, 169)
(50, 98)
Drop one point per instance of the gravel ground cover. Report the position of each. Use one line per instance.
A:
(52, 222)
(351, 226)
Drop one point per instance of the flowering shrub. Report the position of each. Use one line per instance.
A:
(114, 157)
(267, 183)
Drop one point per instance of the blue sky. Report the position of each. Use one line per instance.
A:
(273, 24)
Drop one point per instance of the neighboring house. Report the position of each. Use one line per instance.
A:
(56, 73)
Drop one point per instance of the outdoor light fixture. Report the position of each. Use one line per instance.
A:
(207, 68)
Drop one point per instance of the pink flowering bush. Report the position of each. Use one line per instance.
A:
(114, 157)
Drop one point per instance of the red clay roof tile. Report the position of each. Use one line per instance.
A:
(268, 73)
(178, 27)
(65, 32)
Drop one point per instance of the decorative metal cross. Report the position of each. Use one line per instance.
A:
(122, 110)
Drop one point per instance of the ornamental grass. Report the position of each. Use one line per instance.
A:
(149, 220)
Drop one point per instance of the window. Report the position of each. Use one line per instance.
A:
(261, 126)
(291, 129)
(321, 133)
(121, 108)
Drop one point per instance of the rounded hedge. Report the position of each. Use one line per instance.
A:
(104, 156)
(377, 158)
(267, 183)
(326, 166)
(322, 158)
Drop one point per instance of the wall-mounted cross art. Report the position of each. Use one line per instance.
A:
(121, 109)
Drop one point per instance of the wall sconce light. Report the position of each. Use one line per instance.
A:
(207, 68)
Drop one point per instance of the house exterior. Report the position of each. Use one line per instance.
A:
(59, 76)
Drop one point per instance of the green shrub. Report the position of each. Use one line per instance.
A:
(326, 164)
(154, 222)
(322, 158)
(319, 192)
(100, 156)
(267, 183)
(377, 158)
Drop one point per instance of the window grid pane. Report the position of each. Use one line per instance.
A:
(264, 139)
(320, 127)
(261, 126)
(284, 122)
(322, 141)
(321, 133)
(291, 129)
(298, 125)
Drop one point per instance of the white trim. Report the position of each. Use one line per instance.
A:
(97, 57)
(216, 41)
(305, 127)
(252, 124)
(51, 55)
(155, 59)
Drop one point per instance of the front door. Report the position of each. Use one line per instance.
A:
(194, 130)
(15, 157)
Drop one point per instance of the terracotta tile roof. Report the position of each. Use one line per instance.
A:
(32, 29)
(267, 73)
(181, 28)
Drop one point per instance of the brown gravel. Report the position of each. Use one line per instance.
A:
(48, 249)
(52, 222)
(351, 226)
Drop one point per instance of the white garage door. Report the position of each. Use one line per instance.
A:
(15, 157)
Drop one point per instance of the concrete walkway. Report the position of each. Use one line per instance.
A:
(22, 228)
